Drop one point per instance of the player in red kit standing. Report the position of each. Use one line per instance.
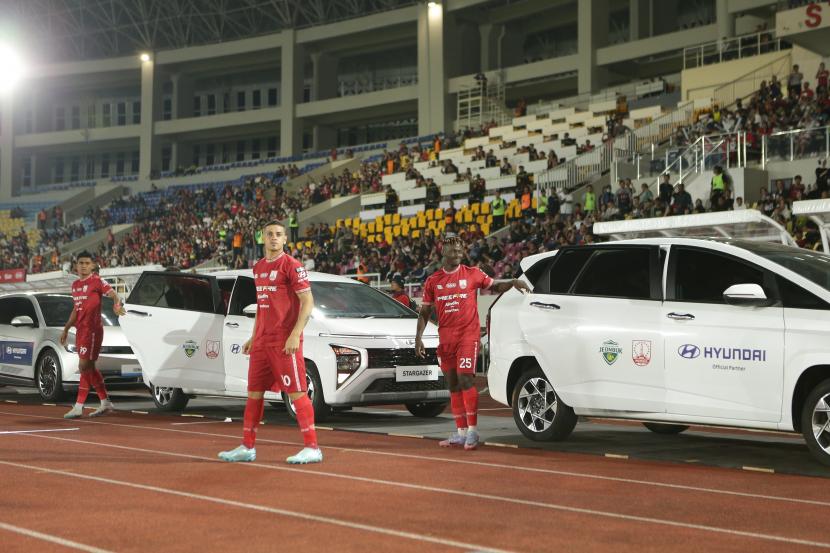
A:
(453, 291)
(87, 292)
(284, 305)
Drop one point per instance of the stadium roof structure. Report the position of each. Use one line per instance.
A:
(746, 224)
(76, 30)
(819, 212)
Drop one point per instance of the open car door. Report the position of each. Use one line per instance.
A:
(174, 325)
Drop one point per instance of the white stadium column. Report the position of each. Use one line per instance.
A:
(432, 82)
(6, 143)
(725, 20)
(592, 30)
(292, 75)
(149, 146)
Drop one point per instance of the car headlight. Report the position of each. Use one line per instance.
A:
(348, 361)
(70, 347)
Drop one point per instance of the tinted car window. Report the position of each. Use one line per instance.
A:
(702, 276)
(339, 299)
(57, 308)
(244, 294)
(16, 307)
(796, 297)
(621, 273)
(186, 292)
(566, 269)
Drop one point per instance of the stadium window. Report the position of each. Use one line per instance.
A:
(226, 102)
(166, 157)
(135, 164)
(272, 146)
(90, 167)
(197, 154)
(272, 97)
(75, 170)
(211, 104)
(197, 106)
(58, 169)
(240, 150)
(105, 166)
(240, 101)
(60, 119)
(107, 114)
(119, 164)
(167, 109)
(210, 154)
(226, 153)
(255, 148)
(136, 113)
(27, 172)
(76, 117)
(122, 114)
(91, 116)
(257, 99)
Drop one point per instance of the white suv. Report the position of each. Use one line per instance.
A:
(187, 331)
(669, 331)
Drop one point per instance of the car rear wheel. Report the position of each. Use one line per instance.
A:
(660, 428)
(815, 422)
(315, 393)
(169, 399)
(49, 376)
(538, 411)
(425, 410)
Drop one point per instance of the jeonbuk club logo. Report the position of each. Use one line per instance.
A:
(610, 351)
(688, 351)
(190, 348)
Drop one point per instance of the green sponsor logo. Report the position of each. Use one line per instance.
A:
(610, 351)
(190, 348)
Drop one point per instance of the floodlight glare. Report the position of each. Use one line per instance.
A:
(145, 56)
(11, 68)
(434, 9)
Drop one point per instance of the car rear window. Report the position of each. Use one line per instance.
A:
(57, 308)
(174, 291)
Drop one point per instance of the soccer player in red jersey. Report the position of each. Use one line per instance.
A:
(87, 292)
(284, 305)
(453, 291)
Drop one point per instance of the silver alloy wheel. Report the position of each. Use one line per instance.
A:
(537, 404)
(310, 387)
(163, 395)
(47, 380)
(821, 423)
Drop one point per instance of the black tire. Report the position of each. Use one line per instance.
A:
(426, 410)
(169, 399)
(49, 377)
(813, 418)
(315, 393)
(661, 428)
(537, 410)
(277, 405)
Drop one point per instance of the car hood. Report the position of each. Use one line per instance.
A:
(113, 335)
(374, 328)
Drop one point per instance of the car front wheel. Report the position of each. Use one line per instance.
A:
(169, 399)
(538, 411)
(315, 394)
(49, 376)
(815, 422)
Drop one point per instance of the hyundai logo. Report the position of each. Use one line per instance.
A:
(688, 351)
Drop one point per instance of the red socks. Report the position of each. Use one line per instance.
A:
(97, 380)
(253, 414)
(471, 405)
(83, 387)
(305, 420)
(457, 406)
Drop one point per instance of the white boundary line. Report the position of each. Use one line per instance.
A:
(52, 539)
(443, 491)
(38, 431)
(553, 472)
(254, 506)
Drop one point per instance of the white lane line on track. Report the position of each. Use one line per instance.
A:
(444, 491)
(197, 422)
(37, 431)
(257, 507)
(51, 538)
(485, 464)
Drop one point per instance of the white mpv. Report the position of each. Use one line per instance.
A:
(187, 331)
(669, 331)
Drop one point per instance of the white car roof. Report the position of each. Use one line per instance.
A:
(313, 276)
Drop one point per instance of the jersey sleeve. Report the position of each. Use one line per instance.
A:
(298, 277)
(104, 286)
(484, 280)
(428, 296)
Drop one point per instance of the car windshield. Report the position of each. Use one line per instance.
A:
(56, 309)
(814, 266)
(341, 299)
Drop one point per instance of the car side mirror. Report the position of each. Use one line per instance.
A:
(250, 310)
(751, 295)
(23, 320)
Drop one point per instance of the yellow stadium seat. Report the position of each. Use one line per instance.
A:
(338, 223)
(396, 218)
(309, 244)
(475, 208)
(405, 231)
(485, 209)
(468, 216)
(416, 233)
(348, 222)
(387, 219)
(370, 227)
(533, 203)
(485, 228)
(442, 225)
(489, 220)
(438, 214)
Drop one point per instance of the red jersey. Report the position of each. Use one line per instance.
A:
(277, 284)
(456, 301)
(401, 298)
(87, 295)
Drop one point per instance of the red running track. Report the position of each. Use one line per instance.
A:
(133, 482)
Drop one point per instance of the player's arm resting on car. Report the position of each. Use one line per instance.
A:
(69, 324)
(292, 344)
(117, 306)
(423, 318)
(520, 285)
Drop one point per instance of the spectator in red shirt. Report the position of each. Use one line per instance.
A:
(398, 293)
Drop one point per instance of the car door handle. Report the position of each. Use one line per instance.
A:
(681, 316)
(232, 325)
(139, 313)
(541, 305)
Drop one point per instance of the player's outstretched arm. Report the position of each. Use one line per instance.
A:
(118, 307)
(69, 324)
(423, 318)
(519, 285)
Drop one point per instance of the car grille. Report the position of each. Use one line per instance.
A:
(118, 350)
(385, 385)
(389, 358)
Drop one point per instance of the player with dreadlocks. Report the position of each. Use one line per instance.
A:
(452, 289)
